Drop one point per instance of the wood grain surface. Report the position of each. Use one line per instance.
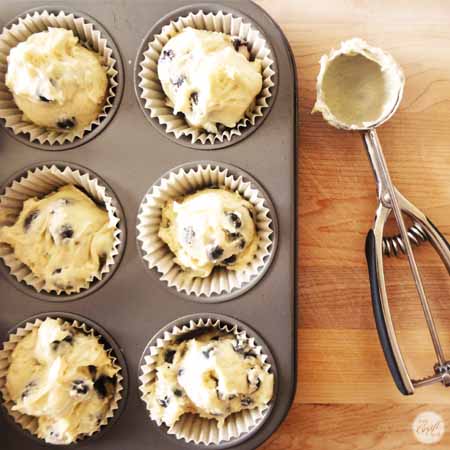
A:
(345, 396)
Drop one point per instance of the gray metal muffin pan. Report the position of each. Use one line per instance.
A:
(130, 155)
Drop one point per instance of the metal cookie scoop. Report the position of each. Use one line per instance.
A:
(359, 87)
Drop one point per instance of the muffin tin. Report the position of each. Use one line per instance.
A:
(131, 155)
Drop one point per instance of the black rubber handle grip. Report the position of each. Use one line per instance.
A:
(378, 314)
(439, 233)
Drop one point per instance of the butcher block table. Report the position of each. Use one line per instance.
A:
(345, 397)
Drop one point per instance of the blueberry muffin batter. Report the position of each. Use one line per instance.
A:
(56, 82)
(212, 375)
(213, 227)
(64, 238)
(63, 377)
(208, 76)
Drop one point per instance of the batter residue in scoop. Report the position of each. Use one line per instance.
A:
(63, 377)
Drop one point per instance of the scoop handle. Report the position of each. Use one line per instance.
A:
(379, 316)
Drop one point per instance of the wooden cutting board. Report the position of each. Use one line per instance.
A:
(345, 396)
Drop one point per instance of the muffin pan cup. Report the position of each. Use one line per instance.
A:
(221, 284)
(38, 181)
(127, 157)
(192, 428)
(90, 34)
(205, 16)
(28, 424)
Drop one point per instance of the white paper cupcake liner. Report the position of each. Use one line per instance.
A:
(38, 182)
(155, 99)
(157, 254)
(192, 427)
(30, 423)
(89, 36)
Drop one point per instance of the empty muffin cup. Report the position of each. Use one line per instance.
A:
(191, 427)
(153, 99)
(90, 36)
(222, 284)
(37, 182)
(29, 424)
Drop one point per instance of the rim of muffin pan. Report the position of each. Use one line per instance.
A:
(237, 292)
(95, 284)
(225, 320)
(119, 89)
(108, 341)
(156, 29)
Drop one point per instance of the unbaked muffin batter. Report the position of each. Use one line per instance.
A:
(213, 375)
(63, 377)
(56, 82)
(209, 228)
(64, 238)
(209, 77)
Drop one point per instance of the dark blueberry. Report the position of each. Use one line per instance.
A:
(66, 232)
(57, 271)
(237, 42)
(230, 260)
(194, 98)
(68, 339)
(177, 393)
(92, 370)
(246, 401)
(189, 235)
(44, 99)
(169, 355)
(101, 261)
(167, 54)
(66, 124)
(235, 220)
(215, 253)
(242, 244)
(27, 389)
(101, 384)
(207, 352)
(164, 402)
(179, 81)
(180, 372)
(29, 219)
(232, 236)
(80, 387)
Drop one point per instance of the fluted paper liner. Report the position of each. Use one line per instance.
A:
(192, 427)
(30, 423)
(88, 35)
(39, 182)
(155, 98)
(158, 255)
